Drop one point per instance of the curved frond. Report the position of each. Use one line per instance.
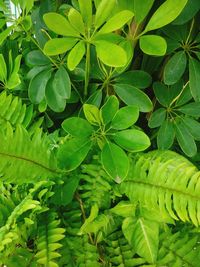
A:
(165, 181)
(13, 111)
(24, 158)
(179, 249)
(48, 242)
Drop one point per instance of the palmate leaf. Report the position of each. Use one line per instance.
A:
(165, 181)
(24, 158)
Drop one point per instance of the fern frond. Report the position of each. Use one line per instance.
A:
(10, 232)
(167, 181)
(25, 159)
(95, 186)
(119, 253)
(49, 235)
(179, 249)
(13, 111)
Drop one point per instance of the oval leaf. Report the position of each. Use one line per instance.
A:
(36, 90)
(111, 54)
(59, 24)
(133, 96)
(109, 109)
(75, 55)
(175, 68)
(115, 161)
(165, 14)
(153, 45)
(125, 117)
(77, 127)
(72, 153)
(58, 46)
(62, 83)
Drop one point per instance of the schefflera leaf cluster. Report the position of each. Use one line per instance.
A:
(112, 129)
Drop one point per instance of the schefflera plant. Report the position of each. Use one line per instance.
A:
(112, 129)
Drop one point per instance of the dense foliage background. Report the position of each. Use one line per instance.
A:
(93, 96)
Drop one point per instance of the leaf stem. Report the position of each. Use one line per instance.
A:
(87, 69)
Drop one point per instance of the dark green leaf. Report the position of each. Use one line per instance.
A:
(194, 71)
(72, 153)
(115, 162)
(175, 68)
(137, 78)
(185, 139)
(133, 96)
(77, 127)
(132, 140)
(37, 86)
(193, 127)
(166, 134)
(191, 109)
(109, 109)
(62, 83)
(36, 58)
(125, 117)
(54, 100)
(157, 118)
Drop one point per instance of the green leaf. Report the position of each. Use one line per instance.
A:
(165, 14)
(4, 34)
(137, 78)
(77, 127)
(153, 45)
(109, 109)
(124, 209)
(59, 24)
(58, 46)
(75, 55)
(116, 22)
(125, 117)
(36, 58)
(86, 11)
(157, 118)
(76, 20)
(132, 140)
(14, 78)
(62, 83)
(92, 114)
(166, 135)
(175, 68)
(141, 9)
(110, 54)
(36, 90)
(54, 100)
(194, 76)
(132, 96)
(73, 152)
(103, 11)
(189, 11)
(143, 235)
(115, 161)
(185, 139)
(3, 69)
(191, 109)
(193, 127)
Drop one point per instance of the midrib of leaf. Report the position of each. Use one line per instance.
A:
(30, 161)
(164, 188)
(146, 238)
